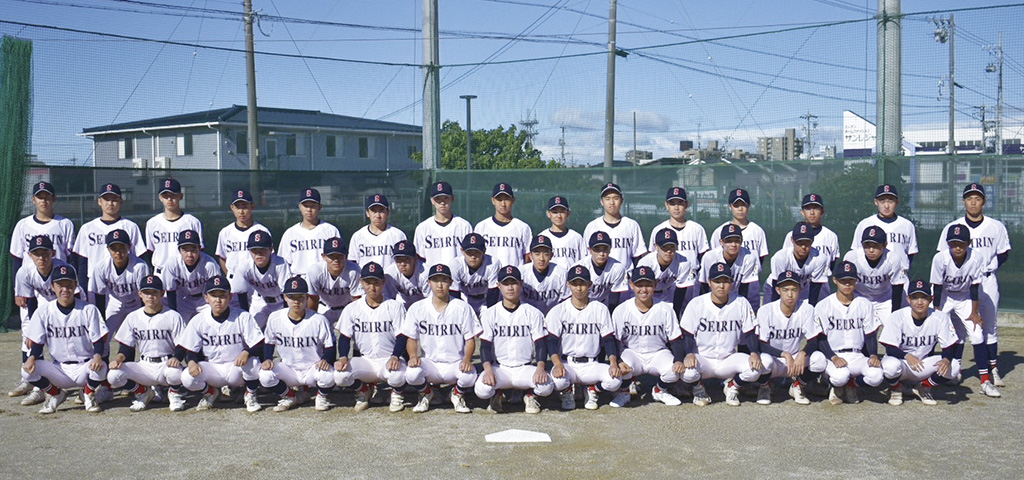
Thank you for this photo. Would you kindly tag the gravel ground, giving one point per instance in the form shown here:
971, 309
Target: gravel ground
967, 434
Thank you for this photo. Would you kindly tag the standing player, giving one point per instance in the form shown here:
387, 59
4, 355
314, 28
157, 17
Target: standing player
163, 229
373, 324
627, 240
881, 273
475, 274
674, 272
507, 237
781, 326
577, 331
376, 241
445, 329
223, 347
406, 279
302, 242
264, 274
901, 232
693, 240
826, 242
60, 230
568, 246
149, 332
305, 342
91, 243
114, 282
851, 328
753, 235
989, 241
186, 277
334, 282
543, 281
809, 264
744, 265
233, 240
437, 238
513, 336
607, 274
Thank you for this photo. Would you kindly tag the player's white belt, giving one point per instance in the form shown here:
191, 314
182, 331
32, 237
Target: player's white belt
582, 359
155, 359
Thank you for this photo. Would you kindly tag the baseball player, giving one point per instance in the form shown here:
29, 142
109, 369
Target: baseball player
627, 240
233, 239
223, 347
567, 245
956, 279
60, 230
826, 242
881, 273
437, 238
989, 241
373, 323
693, 240
809, 264
406, 279
114, 282
163, 229
265, 274
475, 274
186, 276
334, 282
850, 326
441, 333
781, 326
91, 243
714, 325
606, 273
305, 342
507, 237
901, 232
543, 282
753, 235
149, 331
302, 242
910, 337
744, 265
376, 241
74, 334
577, 331
674, 272
513, 336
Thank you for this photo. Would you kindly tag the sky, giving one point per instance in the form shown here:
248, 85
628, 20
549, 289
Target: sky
761, 66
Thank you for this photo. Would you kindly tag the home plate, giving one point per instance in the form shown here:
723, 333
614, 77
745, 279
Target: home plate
517, 436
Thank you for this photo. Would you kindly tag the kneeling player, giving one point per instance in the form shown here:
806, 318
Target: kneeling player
781, 326
149, 331
910, 337
263, 273
305, 342
577, 329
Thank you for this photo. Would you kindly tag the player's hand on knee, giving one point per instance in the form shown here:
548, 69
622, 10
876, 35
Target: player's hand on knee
755, 362
466, 365
678, 368
97, 363
943, 367
30, 365
838, 361
488, 378
914, 362
194, 369
690, 361
873, 361
173, 362
322, 365
540, 376
558, 371
242, 359
342, 364
115, 364
268, 364
799, 363
414, 362
394, 363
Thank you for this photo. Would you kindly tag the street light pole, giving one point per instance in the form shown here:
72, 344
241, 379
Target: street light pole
469, 130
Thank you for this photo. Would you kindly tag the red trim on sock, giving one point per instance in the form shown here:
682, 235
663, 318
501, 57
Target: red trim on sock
985, 377
140, 389
52, 390
928, 383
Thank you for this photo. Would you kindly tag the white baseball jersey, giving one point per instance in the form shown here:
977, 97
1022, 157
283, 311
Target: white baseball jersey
814, 269
544, 292
718, 331
407, 289
335, 291
610, 278
692, 237
826, 242
442, 335
162, 237
901, 232
151, 335
508, 242
786, 333
28, 282
440, 243
220, 341
645, 332
744, 268
753, 238
580, 331
513, 333
302, 248
474, 283
300, 344
121, 288
567, 248
680, 273
988, 239
232, 244
957, 280
846, 325
268, 283
91, 242
373, 330
901, 331
60, 230
875, 283
366, 246
178, 277
69, 337
626, 236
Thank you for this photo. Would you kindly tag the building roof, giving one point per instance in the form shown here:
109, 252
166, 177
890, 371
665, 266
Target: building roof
268, 117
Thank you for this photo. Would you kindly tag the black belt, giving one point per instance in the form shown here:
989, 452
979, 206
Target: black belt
988, 274
155, 359
582, 359
476, 297
197, 295
659, 291
74, 362
271, 299
330, 307
847, 350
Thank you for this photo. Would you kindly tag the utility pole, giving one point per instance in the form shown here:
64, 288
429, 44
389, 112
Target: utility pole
252, 128
609, 101
888, 102
997, 67
561, 143
431, 89
809, 116
469, 131
634, 138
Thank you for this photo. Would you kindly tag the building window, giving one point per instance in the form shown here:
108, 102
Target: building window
184, 142
365, 147
412, 150
334, 145
126, 148
242, 143
289, 145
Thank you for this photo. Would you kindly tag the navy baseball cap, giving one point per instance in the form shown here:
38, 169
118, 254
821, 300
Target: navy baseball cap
640, 274
241, 195
440, 270
295, 286
40, 242
441, 188
474, 241
578, 272
508, 272
63, 272
259, 239
719, 270
730, 230
974, 188
110, 189
372, 270
788, 276
675, 193
502, 188
919, 286
846, 269
43, 187
170, 185
405, 248
886, 189
666, 236
377, 199
739, 194
188, 237
610, 187
310, 194
335, 245
873, 234
958, 233
217, 282
151, 282
558, 201
118, 236
599, 238
812, 199
540, 241
803, 231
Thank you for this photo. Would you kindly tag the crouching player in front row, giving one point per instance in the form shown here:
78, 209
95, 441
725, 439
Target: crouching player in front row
305, 343
781, 326
910, 337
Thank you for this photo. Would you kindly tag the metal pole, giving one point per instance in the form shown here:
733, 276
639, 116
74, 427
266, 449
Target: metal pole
252, 128
889, 140
469, 131
951, 148
431, 89
999, 101
609, 103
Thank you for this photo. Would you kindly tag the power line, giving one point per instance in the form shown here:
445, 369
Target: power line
304, 62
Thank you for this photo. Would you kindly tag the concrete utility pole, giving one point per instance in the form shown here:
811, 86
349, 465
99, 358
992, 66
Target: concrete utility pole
431, 88
609, 103
469, 130
809, 116
997, 67
888, 108
252, 131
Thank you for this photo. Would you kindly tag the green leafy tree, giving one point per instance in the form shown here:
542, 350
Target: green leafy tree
495, 149
849, 197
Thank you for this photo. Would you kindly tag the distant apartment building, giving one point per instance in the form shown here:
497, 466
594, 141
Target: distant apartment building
779, 148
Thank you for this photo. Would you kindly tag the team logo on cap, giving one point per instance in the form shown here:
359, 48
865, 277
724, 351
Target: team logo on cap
188, 235
167, 184
440, 187
110, 187
309, 193
814, 198
919, 284
42, 185
643, 270
39, 241
240, 194
871, 232
739, 192
501, 187
803, 228
116, 235
578, 270
610, 185
376, 198
846, 267
675, 191
65, 270
334, 243
295, 284
956, 230
216, 281
600, 236
886, 189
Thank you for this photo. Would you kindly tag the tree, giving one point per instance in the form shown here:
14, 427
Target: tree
496, 149
849, 196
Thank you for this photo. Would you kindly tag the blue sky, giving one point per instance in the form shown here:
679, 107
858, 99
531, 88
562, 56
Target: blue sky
731, 90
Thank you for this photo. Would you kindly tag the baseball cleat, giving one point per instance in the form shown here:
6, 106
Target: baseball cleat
321, 404
925, 394
764, 394
835, 395
175, 400
208, 400
895, 396
732, 393
850, 395
532, 405
34, 397
225, 392
997, 380
495, 404
252, 404
592, 396
362, 398
796, 391
91, 404
567, 398
990, 390
397, 401
78, 394
424, 402
142, 400
659, 395
52, 402
285, 404
459, 402
22, 389
621, 399
700, 396
159, 395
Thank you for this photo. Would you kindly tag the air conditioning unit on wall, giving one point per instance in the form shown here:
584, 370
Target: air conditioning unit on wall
138, 167
162, 163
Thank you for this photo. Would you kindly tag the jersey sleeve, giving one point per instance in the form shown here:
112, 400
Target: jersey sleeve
35, 330
222, 238
18, 243
96, 283
947, 334
80, 240
604, 320
537, 330
912, 248
526, 235
764, 323
553, 321
486, 321
69, 233
250, 329
409, 323
762, 248
189, 338
892, 333
344, 325
857, 232
124, 332
672, 327
619, 281
1002, 239
821, 271
22, 285
324, 330
284, 249
638, 241
778, 265
169, 276
713, 240
751, 268
397, 316
749, 321
691, 316
898, 276
470, 324
938, 266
